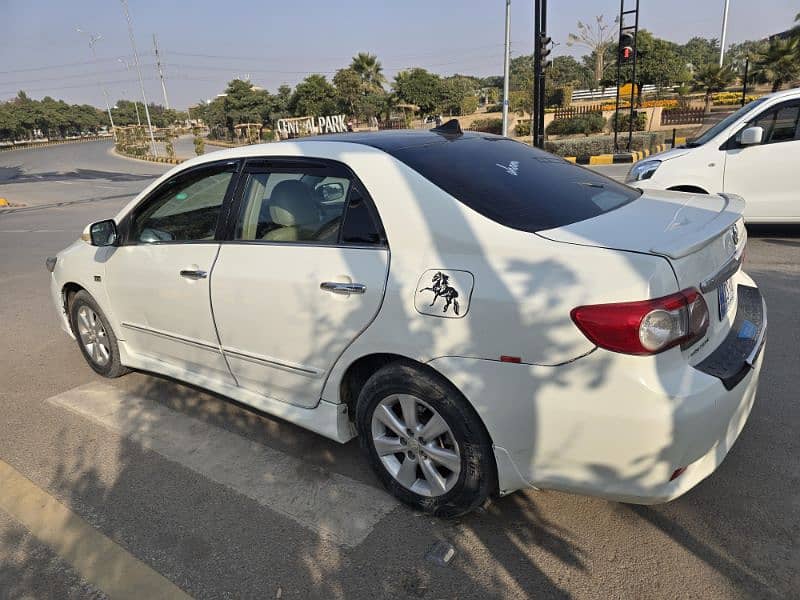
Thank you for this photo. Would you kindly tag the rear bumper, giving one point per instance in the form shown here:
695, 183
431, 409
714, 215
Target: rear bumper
607, 425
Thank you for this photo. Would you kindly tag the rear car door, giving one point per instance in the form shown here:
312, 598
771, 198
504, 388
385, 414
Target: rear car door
301, 274
765, 174
157, 279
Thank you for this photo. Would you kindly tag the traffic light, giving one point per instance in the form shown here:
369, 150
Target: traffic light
544, 49
626, 43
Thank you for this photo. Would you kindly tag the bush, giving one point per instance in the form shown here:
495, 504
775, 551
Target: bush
640, 124
602, 144
488, 125
520, 101
560, 96
469, 105
585, 124
199, 145
523, 128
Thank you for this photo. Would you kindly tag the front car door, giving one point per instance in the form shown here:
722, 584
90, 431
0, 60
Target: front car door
302, 275
765, 174
158, 279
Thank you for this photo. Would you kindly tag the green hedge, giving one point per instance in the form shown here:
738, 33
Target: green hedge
523, 127
488, 125
559, 96
625, 117
469, 105
586, 124
603, 144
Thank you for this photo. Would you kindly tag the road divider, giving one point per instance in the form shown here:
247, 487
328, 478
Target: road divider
618, 158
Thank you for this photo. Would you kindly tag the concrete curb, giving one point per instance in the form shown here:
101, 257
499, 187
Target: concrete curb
621, 157
48, 144
156, 159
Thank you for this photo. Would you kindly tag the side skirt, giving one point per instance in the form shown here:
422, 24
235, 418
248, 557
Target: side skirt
327, 419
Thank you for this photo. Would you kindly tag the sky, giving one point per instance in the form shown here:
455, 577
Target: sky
204, 44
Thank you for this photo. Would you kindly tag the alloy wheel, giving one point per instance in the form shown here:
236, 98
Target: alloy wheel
93, 336
415, 445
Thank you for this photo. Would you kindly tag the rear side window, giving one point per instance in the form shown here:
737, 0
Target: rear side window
514, 184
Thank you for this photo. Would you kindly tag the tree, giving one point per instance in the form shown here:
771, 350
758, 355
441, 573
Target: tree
659, 62
779, 63
699, 52
313, 96
369, 69
597, 37
349, 89
418, 86
713, 78
565, 70
454, 91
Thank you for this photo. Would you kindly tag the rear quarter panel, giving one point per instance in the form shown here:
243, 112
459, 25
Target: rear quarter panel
524, 286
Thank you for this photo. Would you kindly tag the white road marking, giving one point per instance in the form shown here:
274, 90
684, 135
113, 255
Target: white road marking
337, 507
35, 230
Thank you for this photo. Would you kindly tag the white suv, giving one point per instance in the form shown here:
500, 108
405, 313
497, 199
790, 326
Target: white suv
754, 152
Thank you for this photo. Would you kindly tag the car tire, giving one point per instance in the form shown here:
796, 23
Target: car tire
95, 336
433, 481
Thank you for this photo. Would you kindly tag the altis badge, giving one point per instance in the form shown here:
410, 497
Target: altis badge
444, 293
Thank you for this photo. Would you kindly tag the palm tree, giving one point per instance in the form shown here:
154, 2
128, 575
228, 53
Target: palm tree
369, 69
713, 78
780, 62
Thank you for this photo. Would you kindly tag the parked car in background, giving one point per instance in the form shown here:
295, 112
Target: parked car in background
483, 315
754, 153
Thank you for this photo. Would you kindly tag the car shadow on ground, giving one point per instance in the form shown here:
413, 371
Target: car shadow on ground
18, 174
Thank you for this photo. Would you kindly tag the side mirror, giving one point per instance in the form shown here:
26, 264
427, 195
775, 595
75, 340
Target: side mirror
751, 136
332, 191
103, 233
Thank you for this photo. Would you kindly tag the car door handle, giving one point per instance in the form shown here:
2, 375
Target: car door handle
336, 287
194, 274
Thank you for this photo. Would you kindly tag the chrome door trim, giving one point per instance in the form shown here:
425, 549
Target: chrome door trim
337, 287
172, 337
194, 273
271, 362
725, 272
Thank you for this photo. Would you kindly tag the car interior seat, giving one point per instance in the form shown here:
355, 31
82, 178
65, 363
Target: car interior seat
293, 210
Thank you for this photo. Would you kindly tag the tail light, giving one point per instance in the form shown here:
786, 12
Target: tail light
647, 326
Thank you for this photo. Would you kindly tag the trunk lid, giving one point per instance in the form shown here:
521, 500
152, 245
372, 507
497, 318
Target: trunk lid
702, 237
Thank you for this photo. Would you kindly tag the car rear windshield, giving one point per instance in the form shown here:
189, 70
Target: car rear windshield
514, 184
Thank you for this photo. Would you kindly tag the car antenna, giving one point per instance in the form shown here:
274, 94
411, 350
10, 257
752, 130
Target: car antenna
452, 127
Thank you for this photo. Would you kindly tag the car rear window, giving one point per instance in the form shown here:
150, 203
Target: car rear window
514, 184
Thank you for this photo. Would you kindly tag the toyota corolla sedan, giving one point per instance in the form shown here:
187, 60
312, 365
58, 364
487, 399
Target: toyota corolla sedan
484, 316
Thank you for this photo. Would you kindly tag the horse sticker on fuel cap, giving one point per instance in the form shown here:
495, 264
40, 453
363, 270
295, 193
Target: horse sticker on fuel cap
444, 293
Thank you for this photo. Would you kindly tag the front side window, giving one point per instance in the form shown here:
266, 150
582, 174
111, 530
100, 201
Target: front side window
780, 123
186, 208
292, 206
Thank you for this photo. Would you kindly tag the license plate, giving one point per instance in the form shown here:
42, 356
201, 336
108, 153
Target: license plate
725, 296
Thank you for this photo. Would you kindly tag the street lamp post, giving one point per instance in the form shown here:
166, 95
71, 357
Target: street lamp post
139, 72
93, 39
506, 67
724, 32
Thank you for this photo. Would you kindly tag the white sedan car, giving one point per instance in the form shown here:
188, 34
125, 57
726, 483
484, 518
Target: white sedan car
754, 153
485, 317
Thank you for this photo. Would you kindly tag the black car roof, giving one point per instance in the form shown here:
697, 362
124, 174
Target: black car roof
394, 140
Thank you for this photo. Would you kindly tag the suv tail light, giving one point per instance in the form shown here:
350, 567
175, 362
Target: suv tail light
647, 326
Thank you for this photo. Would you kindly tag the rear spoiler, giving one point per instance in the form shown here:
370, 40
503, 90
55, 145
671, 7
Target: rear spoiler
694, 239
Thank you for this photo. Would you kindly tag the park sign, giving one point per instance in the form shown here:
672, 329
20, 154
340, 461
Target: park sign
311, 125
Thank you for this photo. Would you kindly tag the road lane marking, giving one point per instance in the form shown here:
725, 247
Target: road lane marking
98, 559
334, 506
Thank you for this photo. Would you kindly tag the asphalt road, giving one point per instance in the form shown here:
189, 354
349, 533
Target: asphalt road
146, 475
